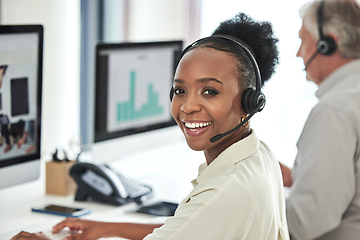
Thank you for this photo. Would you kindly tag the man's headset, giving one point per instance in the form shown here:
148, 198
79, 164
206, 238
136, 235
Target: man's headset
326, 45
253, 99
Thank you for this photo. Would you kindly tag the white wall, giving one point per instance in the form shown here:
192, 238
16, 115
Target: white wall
163, 20
61, 67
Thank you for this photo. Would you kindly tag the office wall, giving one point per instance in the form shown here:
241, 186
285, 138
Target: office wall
61, 21
163, 20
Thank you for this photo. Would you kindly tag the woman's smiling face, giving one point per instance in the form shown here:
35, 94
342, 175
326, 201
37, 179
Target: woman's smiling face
207, 99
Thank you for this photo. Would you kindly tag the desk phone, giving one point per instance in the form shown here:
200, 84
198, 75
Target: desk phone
101, 183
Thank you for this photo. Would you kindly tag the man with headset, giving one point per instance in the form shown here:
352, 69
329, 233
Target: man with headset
324, 197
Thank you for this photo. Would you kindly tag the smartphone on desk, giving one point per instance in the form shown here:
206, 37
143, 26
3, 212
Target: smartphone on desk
61, 210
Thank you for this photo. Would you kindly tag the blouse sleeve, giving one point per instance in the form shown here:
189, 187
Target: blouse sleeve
210, 213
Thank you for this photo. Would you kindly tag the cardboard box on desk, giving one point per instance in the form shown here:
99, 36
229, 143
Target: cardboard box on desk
58, 180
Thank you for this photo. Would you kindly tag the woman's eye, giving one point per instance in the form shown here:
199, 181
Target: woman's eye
179, 91
210, 92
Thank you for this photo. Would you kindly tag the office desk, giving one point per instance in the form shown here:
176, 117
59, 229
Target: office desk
169, 174
18, 214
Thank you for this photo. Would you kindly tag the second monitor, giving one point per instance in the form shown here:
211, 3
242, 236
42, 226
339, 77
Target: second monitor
133, 82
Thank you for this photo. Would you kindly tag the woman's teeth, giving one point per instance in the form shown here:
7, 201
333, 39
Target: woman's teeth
197, 125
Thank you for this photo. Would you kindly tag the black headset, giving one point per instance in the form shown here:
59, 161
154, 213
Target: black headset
326, 45
253, 99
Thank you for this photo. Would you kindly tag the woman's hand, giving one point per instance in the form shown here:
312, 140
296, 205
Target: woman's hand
82, 229
91, 230
30, 236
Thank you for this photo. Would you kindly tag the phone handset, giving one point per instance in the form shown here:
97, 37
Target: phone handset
105, 182
99, 183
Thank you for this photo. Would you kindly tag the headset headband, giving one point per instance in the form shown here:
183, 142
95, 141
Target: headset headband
246, 50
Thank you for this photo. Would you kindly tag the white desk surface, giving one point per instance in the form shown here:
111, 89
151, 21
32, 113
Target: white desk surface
169, 175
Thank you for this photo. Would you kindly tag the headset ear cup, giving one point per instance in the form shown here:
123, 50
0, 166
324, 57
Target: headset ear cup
251, 100
260, 101
171, 94
326, 45
245, 101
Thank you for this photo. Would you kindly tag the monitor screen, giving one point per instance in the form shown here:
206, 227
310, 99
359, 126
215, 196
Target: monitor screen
132, 87
21, 52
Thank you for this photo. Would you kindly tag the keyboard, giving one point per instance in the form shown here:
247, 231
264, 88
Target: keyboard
45, 227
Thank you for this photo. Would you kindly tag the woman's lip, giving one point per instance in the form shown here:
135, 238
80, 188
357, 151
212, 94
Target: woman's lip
196, 128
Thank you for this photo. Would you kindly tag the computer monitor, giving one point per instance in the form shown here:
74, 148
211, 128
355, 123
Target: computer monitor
21, 55
132, 89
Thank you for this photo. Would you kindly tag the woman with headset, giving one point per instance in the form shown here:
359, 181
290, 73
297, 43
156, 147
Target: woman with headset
238, 193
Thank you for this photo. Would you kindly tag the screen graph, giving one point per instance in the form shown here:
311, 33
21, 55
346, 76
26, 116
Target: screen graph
138, 95
126, 111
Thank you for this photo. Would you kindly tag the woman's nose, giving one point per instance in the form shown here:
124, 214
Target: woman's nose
190, 104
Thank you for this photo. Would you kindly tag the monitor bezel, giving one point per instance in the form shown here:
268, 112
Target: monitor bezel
39, 30
100, 101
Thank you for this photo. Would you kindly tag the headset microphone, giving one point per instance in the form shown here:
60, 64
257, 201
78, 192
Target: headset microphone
311, 59
220, 136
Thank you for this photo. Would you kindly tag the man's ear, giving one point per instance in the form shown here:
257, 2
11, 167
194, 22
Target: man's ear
335, 37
